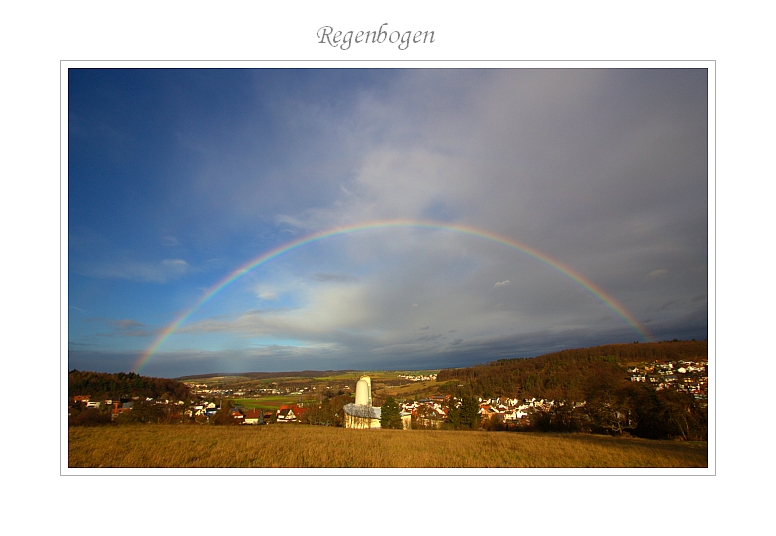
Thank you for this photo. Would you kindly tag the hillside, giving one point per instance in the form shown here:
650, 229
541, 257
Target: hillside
286, 445
119, 385
574, 374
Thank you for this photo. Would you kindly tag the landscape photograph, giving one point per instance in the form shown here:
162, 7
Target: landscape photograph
349, 269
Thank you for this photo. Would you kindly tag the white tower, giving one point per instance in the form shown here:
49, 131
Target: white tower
362, 414
364, 391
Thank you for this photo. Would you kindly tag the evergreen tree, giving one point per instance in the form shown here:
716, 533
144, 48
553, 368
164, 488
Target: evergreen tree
390, 416
454, 414
470, 412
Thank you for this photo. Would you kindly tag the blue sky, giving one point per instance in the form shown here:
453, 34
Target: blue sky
176, 177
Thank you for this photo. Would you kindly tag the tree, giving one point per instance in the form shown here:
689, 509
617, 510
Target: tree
325, 414
425, 418
143, 411
337, 405
470, 408
89, 417
224, 414
454, 414
390, 417
611, 413
669, 414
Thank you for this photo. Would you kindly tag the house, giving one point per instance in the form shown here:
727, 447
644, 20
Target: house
120, 408
487, 411
253, 416
286, 414
514, 415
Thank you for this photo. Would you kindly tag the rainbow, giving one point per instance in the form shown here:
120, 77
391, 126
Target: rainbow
387, 224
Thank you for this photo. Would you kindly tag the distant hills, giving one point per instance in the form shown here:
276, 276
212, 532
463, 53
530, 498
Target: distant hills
269, 375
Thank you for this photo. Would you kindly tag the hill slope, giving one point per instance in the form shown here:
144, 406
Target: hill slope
573, 374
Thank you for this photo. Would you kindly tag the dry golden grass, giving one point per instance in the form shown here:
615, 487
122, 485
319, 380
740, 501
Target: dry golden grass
287, 446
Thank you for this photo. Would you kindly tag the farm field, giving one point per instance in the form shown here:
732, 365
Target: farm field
299, 446
265, 402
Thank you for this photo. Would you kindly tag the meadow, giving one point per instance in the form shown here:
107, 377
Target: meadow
267, 403
300, 446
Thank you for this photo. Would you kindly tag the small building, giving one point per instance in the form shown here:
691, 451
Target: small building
253, 416
286, 414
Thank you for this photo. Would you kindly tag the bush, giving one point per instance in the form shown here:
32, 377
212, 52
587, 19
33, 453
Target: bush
89, 417
493, 424
143, 412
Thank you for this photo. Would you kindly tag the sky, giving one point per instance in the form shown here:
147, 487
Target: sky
235, 220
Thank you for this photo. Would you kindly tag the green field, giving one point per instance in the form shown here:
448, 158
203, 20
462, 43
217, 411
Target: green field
289, 446
265, 402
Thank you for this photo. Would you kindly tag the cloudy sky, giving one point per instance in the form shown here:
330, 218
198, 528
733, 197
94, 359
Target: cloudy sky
271, 219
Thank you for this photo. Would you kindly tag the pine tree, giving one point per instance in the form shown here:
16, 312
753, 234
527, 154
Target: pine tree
389, 415
469, 412
454, 414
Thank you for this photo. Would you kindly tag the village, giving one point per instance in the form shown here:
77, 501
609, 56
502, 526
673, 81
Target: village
424, 412
682, 376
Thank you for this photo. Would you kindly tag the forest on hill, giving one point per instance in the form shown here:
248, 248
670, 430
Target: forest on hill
102, 385
573, 375
592, 391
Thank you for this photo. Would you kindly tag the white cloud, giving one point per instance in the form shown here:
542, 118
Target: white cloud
176, 264
501, 284
268, 295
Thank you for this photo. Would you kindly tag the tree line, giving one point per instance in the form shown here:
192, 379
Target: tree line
103, 385
636, 409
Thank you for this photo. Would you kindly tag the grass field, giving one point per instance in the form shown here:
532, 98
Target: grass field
291, 446
265, 402
421, 389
